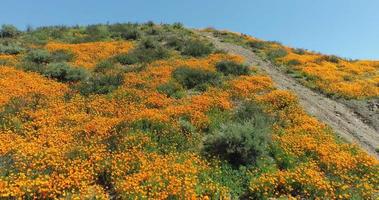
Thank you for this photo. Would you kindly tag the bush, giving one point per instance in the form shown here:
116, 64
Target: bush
238, 143
195, 78
171, 89
256, 44
332, 58
232, 68
276, 53
293, 62
299, 51
39, 56
11, 49
130, 34
147, 52
101, 84
9, 31
197, 48
126, 59
62, 56
174, 42
64, 72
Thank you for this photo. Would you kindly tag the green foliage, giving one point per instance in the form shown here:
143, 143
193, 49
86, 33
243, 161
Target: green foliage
126, 59
64, 72
100, 84
276, 53
256, 44
146, 52
171, 89
177, 25
195, 78
299, 51
293, 62
197, 48
9, 31
131, 34
238, 143
62, 56
331, 58
11, 49
239, 139
232, 68
38, 56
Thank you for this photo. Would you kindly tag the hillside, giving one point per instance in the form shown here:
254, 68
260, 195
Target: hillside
146, 111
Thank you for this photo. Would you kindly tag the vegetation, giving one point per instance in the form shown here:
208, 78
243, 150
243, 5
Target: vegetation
195, 78
128, 111
232, 68
329, 74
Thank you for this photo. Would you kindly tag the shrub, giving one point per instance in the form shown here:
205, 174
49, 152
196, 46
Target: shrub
62, 56
100, 84
332, 58
276, 53
171, 89
64, 72
293, 62
130, 34
197, 48
174, 42
9, 31
177, 25
39, 56
232, 68
256, 44
126, 59
147, 51
104, 66
299, 51
10, 49
195, 78
238, 143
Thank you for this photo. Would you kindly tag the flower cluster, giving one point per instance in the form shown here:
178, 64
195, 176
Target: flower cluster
88, 54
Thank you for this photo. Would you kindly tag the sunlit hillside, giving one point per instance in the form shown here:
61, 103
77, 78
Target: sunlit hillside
146, 111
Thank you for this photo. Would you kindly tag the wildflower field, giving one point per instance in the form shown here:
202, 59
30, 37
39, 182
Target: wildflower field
329, 74
148, 111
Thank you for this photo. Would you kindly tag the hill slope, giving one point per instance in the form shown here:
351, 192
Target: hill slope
146, 111
342, 119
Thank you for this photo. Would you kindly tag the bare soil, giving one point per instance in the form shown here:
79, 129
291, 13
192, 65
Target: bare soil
344, 117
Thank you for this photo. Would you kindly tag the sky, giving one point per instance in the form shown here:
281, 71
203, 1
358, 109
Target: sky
347, 28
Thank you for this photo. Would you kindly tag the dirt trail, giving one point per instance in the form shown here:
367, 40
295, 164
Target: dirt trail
338, 116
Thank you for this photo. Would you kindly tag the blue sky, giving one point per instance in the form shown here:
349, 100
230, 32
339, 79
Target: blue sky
348, 28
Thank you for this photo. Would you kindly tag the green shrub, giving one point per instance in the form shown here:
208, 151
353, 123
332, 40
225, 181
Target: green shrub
64, 72
177, 25
299, 51
39, 56
103, 66
174, 42
195, 78
274, 54
232, 68
131, 34
126, 59
256, 44
11, 49
62, 56
100, 84
293, 62
238, 143
197, 48
9, 31
331, 58
147, 51
171, 89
